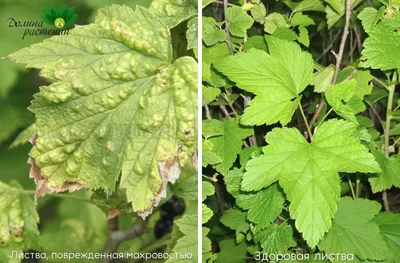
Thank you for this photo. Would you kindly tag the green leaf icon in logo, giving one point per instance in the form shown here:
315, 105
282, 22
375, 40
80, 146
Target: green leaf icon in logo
59, 18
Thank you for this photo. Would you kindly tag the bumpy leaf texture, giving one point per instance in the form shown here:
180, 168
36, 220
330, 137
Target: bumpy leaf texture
117, 105
276, 78
308, 172
18, 222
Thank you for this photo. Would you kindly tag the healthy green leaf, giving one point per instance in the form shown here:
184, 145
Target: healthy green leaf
18, 222
309, 5
212, 128
353, 231
239, 21
116, 104
333, 16
172, 12
389, 227
264, 206
258, 12
235, 220
274, 21
206, 213
308, 172
210, 93
390, 175
212, 34
229, 144
303, 37
275, 239
344, 99
208, 190
362, 77
380, 48
369, 17
276, 78
230, 252
298, 19
206, 244
322, 79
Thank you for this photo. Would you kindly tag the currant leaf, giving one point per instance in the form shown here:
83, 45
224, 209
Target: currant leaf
353, 231
276, 78
308, 172
116, 104
18, 222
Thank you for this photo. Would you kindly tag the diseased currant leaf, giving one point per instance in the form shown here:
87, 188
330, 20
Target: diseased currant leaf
276, 78
116, 104
344, 99
380, 48
18, 222
172, 12
308, 172
188, 240
353, 231
390, 174
192, 34
389, 227
275, 239
228, 146
239, 21
258, 12
235, 220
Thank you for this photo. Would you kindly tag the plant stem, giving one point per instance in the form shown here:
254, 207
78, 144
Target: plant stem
380, 82
228, 36
351, 187
226, 97
305, 121
387, 133
338, 56
358, 180
64, 196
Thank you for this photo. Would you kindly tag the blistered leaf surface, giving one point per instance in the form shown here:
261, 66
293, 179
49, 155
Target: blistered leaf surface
117, 104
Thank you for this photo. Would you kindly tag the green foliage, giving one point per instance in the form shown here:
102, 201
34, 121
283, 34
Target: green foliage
18, 222
153, 130
119, 118
324, 131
